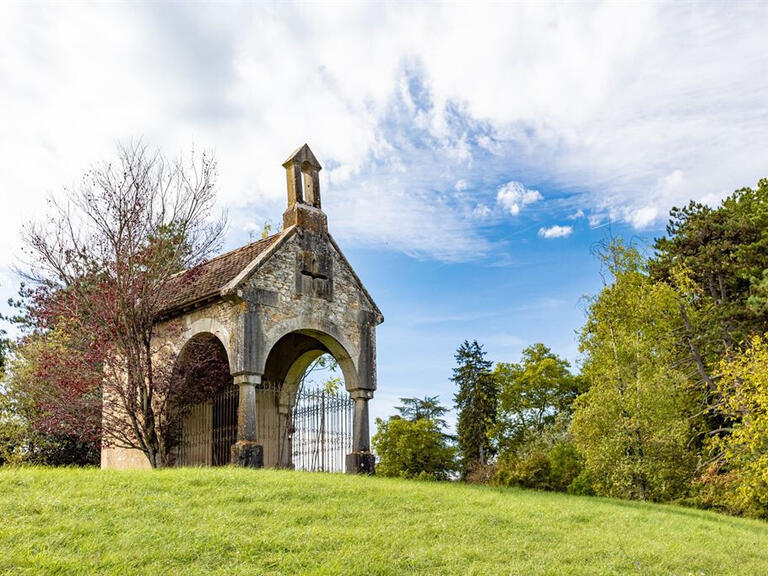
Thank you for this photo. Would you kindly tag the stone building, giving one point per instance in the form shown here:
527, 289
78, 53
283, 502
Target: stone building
273, 307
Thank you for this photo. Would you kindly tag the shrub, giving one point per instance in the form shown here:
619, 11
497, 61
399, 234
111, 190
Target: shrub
413, 449
541, 467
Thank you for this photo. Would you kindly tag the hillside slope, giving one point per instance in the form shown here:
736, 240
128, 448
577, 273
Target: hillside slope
234, 521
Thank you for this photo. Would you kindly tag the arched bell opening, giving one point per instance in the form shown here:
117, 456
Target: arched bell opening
207, 403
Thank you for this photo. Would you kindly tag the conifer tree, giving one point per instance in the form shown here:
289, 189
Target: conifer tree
476, 401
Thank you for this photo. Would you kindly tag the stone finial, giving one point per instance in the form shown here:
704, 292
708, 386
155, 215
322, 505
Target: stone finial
302, 176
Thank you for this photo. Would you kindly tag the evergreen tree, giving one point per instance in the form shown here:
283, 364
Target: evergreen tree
717, 261
427, 408
476, 402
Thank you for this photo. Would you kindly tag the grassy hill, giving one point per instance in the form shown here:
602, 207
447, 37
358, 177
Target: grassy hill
234, 521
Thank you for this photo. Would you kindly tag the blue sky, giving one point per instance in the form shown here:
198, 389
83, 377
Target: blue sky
472, 153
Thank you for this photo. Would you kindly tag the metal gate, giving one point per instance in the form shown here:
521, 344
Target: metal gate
314, 434
321, 429
224, 432
209, 429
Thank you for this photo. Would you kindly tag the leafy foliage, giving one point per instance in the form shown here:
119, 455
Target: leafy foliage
737, 481
631, 425
535, 400
533, 393
413, 449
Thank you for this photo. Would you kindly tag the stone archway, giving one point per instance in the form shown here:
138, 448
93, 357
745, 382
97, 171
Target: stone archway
208, 423
276, 394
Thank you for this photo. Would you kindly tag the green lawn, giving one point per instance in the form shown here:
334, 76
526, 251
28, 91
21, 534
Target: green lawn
235, 521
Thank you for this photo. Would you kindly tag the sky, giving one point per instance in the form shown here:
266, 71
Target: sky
473, 154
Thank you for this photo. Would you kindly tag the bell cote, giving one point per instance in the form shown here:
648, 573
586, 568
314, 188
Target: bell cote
302, 177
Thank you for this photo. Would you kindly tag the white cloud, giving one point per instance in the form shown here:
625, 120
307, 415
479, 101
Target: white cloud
642, 217
578, 215
632, 108
556, 231
513, 196
598, 220
481, 211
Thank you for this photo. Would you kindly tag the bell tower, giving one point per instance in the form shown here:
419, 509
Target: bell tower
303, 180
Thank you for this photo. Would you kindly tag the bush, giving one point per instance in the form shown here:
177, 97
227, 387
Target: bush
21, 443
481, 474
582, 485
413, 449
541, 467
565, 465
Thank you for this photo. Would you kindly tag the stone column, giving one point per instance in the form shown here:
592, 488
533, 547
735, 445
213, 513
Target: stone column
285, 458
361, 461
247, 451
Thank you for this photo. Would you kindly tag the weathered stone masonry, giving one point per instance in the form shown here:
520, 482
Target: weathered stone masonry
276, 305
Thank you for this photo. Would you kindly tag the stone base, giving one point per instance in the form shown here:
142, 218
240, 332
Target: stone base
247, 454
361, 463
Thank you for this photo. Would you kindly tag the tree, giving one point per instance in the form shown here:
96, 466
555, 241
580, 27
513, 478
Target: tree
102, 263
532, 394
50, 403
535, 402
476, 404
4, 345
412, 449
428, 408
632, 425
716, 259
736, 480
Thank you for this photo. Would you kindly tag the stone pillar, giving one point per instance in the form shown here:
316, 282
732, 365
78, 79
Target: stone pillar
361, 461
285, 458
247, 451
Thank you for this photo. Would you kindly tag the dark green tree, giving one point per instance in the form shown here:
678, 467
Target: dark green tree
476, 405
428, 408
716, 259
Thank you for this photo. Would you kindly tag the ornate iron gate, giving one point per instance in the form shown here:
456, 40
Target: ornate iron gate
321, 430
314, 434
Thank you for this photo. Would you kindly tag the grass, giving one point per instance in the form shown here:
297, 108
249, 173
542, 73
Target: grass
235, 521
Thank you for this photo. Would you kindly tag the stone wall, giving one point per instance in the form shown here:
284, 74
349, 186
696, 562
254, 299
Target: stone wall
278, 295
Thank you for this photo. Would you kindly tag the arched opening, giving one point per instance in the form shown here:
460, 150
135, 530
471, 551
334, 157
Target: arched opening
208, 403
305, 414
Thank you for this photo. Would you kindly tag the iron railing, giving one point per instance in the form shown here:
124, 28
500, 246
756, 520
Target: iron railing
314, 433
322, 430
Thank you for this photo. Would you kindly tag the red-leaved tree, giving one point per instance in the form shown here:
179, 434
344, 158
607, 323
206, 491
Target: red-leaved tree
102, 262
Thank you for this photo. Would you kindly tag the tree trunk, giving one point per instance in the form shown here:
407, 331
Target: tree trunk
695, 350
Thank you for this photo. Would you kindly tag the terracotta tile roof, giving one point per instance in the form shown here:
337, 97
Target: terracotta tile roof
207, 279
